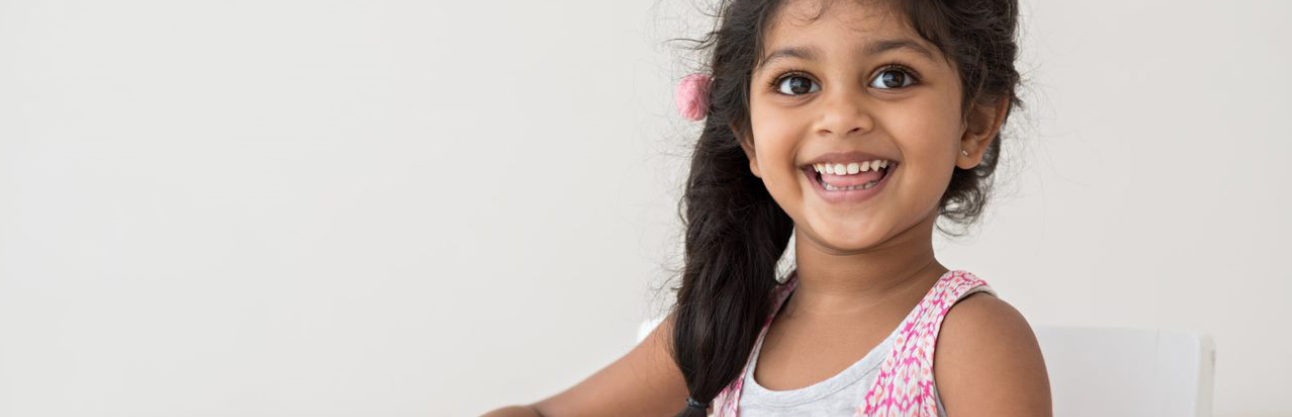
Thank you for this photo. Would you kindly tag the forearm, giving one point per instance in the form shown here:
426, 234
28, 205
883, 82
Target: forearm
514, 411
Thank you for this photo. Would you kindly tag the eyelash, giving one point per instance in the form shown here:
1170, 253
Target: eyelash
774, 85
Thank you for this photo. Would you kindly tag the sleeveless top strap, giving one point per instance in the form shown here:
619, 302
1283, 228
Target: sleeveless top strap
905, 383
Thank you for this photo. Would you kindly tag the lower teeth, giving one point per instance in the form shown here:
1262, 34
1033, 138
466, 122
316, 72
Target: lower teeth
829, 187
868, 185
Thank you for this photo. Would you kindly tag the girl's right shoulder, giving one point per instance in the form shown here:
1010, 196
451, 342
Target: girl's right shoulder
644, 382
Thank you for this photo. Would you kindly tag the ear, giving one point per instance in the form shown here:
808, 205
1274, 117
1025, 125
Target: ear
748, 145
981, 125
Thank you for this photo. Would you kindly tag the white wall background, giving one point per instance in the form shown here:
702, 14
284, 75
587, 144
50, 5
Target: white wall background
399, 208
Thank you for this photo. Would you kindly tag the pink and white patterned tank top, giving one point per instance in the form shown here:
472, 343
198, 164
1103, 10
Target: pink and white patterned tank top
905, 383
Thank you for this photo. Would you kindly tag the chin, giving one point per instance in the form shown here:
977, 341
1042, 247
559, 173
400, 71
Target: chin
851, 244
850, 236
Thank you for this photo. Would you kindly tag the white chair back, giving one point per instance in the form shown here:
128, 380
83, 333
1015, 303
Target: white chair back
1099, 371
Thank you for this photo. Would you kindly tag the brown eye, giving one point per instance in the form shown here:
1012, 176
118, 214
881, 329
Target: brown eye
892, 78
796, 85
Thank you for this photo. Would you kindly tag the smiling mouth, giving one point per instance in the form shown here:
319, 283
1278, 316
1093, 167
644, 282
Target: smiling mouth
851, 180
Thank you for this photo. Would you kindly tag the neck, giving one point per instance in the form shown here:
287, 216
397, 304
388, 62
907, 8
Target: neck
838, 283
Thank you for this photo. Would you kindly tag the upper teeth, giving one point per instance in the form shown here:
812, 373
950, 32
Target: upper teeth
851, 168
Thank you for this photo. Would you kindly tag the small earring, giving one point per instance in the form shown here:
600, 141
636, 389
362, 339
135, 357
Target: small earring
966, 153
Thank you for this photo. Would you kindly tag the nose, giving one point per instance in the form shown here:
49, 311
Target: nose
844, 114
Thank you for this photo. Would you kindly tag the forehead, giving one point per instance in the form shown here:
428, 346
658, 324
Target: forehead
859, 16
846, 26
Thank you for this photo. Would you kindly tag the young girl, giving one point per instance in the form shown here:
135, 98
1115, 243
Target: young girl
853, 125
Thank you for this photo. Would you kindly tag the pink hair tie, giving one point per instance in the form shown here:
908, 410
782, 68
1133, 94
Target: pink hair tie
693, 96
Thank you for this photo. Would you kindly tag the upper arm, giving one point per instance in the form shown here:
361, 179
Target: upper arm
987, 361
644, 382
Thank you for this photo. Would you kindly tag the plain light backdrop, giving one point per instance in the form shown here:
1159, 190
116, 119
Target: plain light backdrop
402, 208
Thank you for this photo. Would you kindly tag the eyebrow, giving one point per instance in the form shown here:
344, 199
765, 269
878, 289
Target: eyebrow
873, 48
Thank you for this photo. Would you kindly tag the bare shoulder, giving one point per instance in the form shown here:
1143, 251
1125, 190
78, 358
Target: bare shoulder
644, 382
987, 361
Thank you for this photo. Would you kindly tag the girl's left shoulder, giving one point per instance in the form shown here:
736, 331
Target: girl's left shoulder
987, 361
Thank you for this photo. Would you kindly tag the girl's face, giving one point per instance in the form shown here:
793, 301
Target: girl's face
854, 86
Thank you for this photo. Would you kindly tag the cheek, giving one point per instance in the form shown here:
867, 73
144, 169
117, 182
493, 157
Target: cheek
775, 141
928, 134
775, 153
924, 126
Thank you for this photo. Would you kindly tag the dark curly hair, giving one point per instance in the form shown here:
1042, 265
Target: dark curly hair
736, 233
